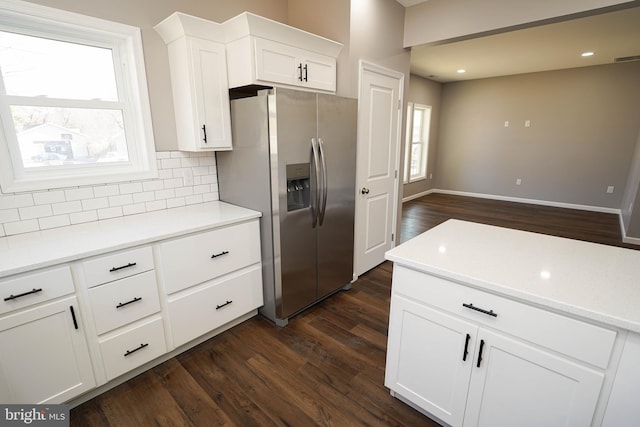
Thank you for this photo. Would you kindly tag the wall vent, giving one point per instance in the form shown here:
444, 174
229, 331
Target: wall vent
627, 58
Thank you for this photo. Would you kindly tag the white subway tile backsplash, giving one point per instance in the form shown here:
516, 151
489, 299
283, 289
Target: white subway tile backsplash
106, 190
110, 212
147, 196
67, 207
124, 199
131, 187
84, 216
54, 221
15, 201
156, 206
176, 202
32, 212
9, 215
183, 179
136, 208
165, 194
19, 227
49, 197
78, 193
97, 203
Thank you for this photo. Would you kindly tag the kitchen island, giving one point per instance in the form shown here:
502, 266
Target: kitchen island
500, 327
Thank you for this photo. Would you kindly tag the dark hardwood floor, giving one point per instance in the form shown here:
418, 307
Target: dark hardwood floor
327, 366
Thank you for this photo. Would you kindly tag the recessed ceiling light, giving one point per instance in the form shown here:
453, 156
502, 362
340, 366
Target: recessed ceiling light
462, 70
587, 54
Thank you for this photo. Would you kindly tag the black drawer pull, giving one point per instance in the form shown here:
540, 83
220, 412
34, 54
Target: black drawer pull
480, 353
12, 297
131, 264
220, 254
481, 310
466, 348
218, 307
122, 304
135, 349
73, 317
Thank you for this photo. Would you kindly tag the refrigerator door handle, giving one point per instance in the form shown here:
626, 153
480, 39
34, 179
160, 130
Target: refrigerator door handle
315, 207
323, 162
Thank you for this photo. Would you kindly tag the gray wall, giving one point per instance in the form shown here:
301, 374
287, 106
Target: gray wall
426, 92
584, 128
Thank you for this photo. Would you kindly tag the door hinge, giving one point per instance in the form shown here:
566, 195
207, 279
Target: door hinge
399, 104
392, 237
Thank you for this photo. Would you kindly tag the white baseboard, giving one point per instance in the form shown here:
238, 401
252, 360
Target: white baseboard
532, 201
417, 195
601, 209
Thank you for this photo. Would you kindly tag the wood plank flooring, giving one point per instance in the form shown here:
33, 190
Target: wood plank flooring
326, 367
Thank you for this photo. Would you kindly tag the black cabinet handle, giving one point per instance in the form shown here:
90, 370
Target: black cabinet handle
122, 304
481, 310
466, 348
220, 254
300, 71
218, 307
73, 316
480, 353
204, 131
12, 297
305, 73
135, 349
131, 264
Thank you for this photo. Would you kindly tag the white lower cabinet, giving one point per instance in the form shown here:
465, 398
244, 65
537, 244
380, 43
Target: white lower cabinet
459, 367
43, 354
202, 309
131, 347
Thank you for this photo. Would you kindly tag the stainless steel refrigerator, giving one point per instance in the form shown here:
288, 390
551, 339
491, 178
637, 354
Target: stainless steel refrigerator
293, 159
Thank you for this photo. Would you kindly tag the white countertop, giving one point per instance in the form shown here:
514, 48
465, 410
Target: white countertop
594, 281
29, 251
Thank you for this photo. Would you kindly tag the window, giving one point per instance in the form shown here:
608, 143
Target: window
73, 100
417, 146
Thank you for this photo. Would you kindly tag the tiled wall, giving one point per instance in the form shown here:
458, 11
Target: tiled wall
183, 179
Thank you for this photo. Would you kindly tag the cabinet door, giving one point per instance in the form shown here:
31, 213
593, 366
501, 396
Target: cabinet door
320, 72
280, 63
43, 355
429, 358
211, 93
519, 385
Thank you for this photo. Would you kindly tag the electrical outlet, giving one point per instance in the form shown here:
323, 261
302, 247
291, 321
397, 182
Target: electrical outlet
506, 123
610, 189
527, 123
518, 181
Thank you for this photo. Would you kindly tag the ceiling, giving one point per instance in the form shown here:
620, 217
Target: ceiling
547, 47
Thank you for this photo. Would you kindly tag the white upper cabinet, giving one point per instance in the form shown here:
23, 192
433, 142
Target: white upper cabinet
198, 65
265, 52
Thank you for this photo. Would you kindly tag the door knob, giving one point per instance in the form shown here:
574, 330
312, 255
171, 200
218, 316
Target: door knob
364, 190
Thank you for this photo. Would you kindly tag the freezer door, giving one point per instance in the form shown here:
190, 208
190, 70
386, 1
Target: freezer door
337, 119
292, 125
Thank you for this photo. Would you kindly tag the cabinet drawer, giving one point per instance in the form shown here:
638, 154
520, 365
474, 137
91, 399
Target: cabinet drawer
201, 257
584, 341
133, 347
206, 308
33, 288
116, 266
117, 303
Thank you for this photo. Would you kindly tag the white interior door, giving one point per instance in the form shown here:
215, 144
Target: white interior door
379, 113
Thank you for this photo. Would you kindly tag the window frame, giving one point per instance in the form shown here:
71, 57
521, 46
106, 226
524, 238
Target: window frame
125, 41
424, 142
